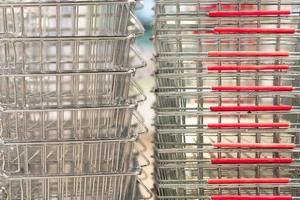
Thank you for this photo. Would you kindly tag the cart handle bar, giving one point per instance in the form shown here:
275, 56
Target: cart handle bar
249, 13
249, 181
246, 125
248, 68
251, 108
254, 146
217, 161
253, 88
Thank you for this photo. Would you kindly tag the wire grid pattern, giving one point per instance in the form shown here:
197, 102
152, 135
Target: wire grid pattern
185, 36
68, 119
71, 54
68, 18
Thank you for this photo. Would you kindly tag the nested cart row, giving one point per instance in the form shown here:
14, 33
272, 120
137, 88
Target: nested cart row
227, 109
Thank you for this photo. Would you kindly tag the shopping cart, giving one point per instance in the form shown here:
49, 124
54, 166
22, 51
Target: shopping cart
192, 164
35, 18
227, 115
191, 178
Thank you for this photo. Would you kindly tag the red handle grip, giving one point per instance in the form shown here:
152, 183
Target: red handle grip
252, 88
248, 125
217, 161
248, 13
253, 146
247, 197
225, 30
251, 108
248, 181
248, 68
247, 54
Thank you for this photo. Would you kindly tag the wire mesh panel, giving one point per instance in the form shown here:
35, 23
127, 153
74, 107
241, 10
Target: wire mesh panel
67, 123
227, 114
38, 90
66, 157
68, 119
35, 55
207, 17
93, 186
68, 18
199, 45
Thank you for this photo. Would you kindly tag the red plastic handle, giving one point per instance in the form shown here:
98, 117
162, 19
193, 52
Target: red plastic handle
217, 161
248, 181
247, 197
225, 30
252, 88
253, 146
248, 68
251, 108
247, 54
247, 125
249, 13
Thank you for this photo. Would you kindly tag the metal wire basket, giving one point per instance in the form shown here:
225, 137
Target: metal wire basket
67, 89
66, 157
68, 18
90, 186
68, 124
59, 124
68, 54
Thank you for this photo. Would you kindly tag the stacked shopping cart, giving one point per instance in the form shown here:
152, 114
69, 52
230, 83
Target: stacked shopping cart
68, 101
227, 111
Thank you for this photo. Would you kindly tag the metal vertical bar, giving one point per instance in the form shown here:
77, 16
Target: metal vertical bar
277, 101
257, 102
